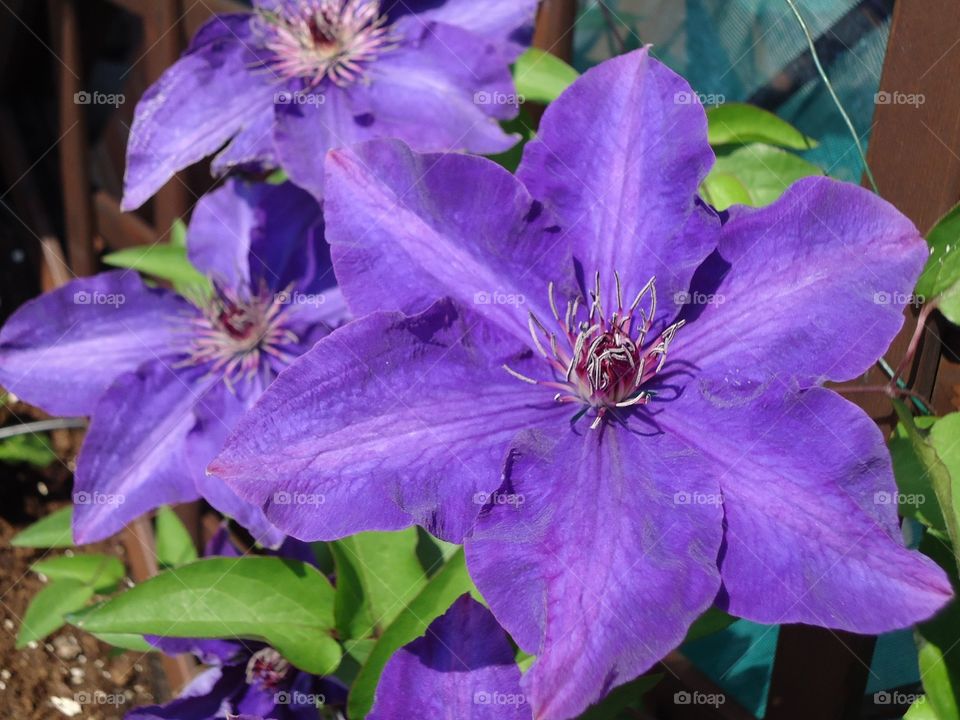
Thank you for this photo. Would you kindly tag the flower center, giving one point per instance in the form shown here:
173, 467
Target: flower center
267, 668
239, 332
325, 39
602, 361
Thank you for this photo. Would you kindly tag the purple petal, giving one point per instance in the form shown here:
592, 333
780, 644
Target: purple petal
251, 149
506, 23
590, 557
209, 652
204, 99
620, 157
133, 458
203, 700
243, 233
462, 668
217, 414
62, 350
491, 248
441, 89
810, 288
221, 544
811, 531
389, 421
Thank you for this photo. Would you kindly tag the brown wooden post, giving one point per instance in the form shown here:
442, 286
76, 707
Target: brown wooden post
74, 159
915, 156
554, 31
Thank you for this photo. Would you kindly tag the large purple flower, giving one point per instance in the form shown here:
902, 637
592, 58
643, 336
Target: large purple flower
165, 379
610, 393
295, 78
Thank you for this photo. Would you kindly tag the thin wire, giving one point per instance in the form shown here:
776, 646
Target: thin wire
42, 426
833, 94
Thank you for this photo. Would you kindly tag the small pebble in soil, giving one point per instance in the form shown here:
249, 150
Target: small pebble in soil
67, 706
8, 624
66, 646
42, 488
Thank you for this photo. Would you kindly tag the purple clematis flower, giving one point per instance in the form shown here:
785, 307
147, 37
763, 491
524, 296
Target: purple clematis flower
463, 668
610, 393
164, 379
295, 78
248, 678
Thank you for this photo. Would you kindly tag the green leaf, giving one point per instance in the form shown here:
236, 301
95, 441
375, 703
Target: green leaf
712, 621
285, 603
53, 531
165, 262
123, 641
378, 574
178, 233
943, 268
49, 607
174, 545
921, 710
740, 124
541, 77
101, 572
277, 177
765, 171
723, 190
522, 125
450, 582
917, 499
27, 448
938, 638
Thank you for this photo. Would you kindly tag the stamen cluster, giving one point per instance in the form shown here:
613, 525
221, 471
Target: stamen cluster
321, 40
600, 361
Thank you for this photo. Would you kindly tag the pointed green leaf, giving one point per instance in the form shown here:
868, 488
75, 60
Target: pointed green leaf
178, 233
174, 545
740, 124
165, 262
136, 643
285, 603
378, 574
921, 710
765, 171
450, 582
27, 448
712, 621
101, 572
723, 190
917, 499
541, 77
49, 607
938, 640
53, 531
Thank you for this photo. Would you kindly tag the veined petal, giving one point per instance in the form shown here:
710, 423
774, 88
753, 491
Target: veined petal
506, 23
404, 233
209, 95
133, 457
462, 668
242, 233
597, 554
811, 288
389, 421
203, 699
619, 157
811, 532
217, 413
62, 350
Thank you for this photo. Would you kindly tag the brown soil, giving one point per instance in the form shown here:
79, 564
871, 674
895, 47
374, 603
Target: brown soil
70, 667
